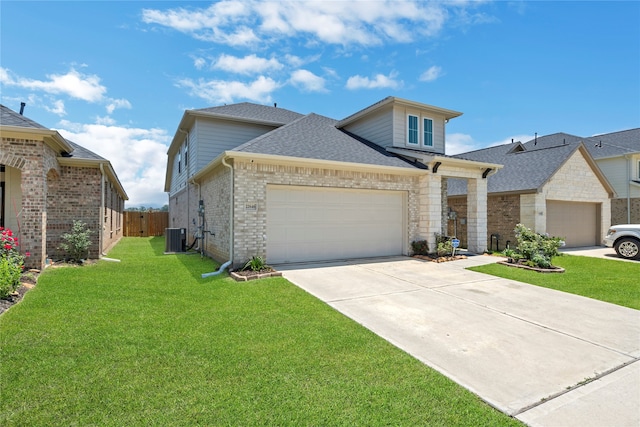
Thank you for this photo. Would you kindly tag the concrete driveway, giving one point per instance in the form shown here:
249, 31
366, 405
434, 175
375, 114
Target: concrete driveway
546, 357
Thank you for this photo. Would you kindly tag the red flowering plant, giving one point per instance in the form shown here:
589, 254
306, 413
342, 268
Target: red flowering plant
11, 262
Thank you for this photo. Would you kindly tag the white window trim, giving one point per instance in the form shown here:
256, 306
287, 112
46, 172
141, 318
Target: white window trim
417, 144
421, 139
424, 144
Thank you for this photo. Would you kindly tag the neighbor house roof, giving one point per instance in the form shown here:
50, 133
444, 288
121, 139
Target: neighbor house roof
316, 137
69, 152
599, 146
526, 167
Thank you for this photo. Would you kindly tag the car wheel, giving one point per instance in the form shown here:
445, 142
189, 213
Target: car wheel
628, 248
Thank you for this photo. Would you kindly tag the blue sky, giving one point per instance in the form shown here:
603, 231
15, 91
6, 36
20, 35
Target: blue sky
116, 76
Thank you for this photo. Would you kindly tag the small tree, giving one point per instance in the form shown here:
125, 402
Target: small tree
76, 244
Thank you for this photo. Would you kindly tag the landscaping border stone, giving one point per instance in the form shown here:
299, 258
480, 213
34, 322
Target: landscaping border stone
538, 269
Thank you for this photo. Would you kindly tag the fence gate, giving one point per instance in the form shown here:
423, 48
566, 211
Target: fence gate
145, 224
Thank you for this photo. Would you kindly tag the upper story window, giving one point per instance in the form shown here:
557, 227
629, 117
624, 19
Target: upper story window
186, 154
427, 127
419, 133
180, 161
412, 130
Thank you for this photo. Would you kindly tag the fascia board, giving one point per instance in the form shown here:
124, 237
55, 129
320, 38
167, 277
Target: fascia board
51, 137
287, 160
393, 101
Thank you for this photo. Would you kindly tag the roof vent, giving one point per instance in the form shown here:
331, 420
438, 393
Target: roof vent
22, 105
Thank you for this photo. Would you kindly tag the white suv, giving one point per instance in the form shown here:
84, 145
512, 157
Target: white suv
625, 239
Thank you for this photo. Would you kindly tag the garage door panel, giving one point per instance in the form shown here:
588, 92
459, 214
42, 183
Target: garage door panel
306, 224
576, 222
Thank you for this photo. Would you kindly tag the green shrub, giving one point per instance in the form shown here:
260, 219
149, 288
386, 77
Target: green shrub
420, 247
76, 244
256, 263
537, 249
11, 262
444, 246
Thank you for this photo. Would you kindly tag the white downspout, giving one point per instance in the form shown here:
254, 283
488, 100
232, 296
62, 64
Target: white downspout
228, 263
102, 212
628, 157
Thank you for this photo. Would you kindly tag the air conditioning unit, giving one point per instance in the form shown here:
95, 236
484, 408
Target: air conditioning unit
175, 239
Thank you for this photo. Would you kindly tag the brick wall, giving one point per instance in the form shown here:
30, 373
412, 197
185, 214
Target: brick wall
52, 196
251, 181
619, 211
74, 195
502, 216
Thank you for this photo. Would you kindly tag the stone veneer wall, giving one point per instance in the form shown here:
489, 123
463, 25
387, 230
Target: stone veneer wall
251, 180
619, 211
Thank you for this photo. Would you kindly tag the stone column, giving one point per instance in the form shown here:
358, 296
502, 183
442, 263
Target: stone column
477, 215
430, 208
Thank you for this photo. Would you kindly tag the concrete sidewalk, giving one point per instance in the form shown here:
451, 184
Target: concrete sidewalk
540, 355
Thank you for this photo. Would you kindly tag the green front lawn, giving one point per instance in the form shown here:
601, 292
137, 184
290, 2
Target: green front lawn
612, 281
148, 342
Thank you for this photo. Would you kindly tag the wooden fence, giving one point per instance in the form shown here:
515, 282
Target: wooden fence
145, 224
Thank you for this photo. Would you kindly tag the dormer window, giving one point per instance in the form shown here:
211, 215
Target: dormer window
412, 130
427, 126
418, 136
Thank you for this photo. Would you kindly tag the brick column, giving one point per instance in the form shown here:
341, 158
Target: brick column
477, 215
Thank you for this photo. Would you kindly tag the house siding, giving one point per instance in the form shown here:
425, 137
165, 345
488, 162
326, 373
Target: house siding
251, 180
215, 137
377, 128
400, 114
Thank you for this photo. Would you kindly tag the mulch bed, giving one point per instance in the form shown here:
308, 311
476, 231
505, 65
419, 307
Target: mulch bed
26, 284
246, 275
435, 258
551, 269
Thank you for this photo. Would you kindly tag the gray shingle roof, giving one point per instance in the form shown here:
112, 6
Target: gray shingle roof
249, 111
523, 171
316, 137
599, 146
8, 117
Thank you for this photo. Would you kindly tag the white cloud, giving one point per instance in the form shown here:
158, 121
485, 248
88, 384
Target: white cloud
431, 74
138, 156
220, 91
199, 63
458, 143
117, 103
57, 108
73, 84
307, 81
378, 82
250, 64
364, 23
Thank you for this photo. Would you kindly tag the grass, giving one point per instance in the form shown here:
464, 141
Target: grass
148, 342
612, 281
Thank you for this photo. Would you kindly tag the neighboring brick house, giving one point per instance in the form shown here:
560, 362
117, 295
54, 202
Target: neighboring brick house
255, 180
47, 182
551, 184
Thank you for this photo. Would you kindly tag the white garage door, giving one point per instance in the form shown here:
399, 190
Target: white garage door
316, 224
577, 222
